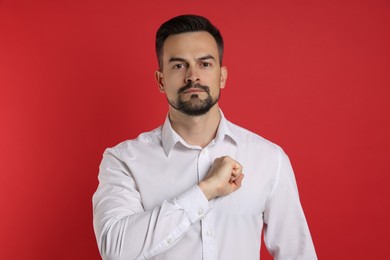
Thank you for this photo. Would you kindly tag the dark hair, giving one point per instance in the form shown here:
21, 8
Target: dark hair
186, 23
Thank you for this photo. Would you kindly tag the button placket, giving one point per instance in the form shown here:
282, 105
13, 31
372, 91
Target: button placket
208, 240
203, 163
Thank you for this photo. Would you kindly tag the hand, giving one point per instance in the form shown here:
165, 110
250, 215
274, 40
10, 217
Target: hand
224, 177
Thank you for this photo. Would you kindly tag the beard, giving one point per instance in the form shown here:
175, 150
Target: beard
194, 106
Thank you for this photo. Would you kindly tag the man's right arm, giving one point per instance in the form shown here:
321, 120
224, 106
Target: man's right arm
124, 230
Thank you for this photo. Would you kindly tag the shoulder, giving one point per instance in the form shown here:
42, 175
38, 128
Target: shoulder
150, 139
253, 141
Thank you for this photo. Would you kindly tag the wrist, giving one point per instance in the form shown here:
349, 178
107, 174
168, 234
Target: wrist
205, 188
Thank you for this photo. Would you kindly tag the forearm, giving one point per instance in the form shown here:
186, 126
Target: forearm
123, 233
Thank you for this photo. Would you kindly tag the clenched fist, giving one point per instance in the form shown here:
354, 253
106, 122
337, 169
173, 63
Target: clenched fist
224, 177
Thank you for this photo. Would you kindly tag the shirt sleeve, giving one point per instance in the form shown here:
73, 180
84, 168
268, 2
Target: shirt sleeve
123, 229
286, 233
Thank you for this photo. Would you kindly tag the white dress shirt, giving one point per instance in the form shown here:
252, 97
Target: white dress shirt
148, 204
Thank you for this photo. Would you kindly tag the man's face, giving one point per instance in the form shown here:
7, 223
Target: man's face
191, 75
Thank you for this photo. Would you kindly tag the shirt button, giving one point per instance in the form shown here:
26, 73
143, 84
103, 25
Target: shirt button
169, 241
200, 212
209, 233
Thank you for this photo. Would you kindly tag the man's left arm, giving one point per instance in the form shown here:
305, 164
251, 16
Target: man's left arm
286, 233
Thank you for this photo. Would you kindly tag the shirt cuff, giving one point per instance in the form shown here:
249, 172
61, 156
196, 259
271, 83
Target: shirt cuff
194, 203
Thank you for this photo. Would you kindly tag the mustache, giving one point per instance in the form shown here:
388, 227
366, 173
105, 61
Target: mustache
193, 85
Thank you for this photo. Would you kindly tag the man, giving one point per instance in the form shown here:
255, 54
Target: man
179, 192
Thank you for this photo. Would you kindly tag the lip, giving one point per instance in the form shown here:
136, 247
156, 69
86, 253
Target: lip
194, 90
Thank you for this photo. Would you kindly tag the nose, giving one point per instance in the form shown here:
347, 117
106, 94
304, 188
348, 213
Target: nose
191, 76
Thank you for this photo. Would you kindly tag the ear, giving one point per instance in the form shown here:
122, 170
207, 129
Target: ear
159, 79
224, 74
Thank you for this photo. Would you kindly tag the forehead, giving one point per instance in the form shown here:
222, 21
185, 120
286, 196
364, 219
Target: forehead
190, 43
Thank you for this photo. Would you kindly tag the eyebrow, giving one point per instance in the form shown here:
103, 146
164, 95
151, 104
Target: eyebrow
173, 59
207, 57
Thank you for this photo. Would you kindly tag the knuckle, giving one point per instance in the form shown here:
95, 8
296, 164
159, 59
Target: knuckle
218, 159
226, 158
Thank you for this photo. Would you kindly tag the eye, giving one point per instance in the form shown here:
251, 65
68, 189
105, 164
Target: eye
178, 66
206, 64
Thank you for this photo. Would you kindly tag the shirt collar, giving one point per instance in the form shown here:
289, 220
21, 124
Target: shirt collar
170, 137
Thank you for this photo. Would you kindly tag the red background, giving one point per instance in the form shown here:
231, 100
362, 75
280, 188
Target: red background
75, 78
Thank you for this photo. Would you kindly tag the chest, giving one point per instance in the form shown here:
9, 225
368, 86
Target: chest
165, 179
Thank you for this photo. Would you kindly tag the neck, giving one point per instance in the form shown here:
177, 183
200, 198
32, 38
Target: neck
196, 130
